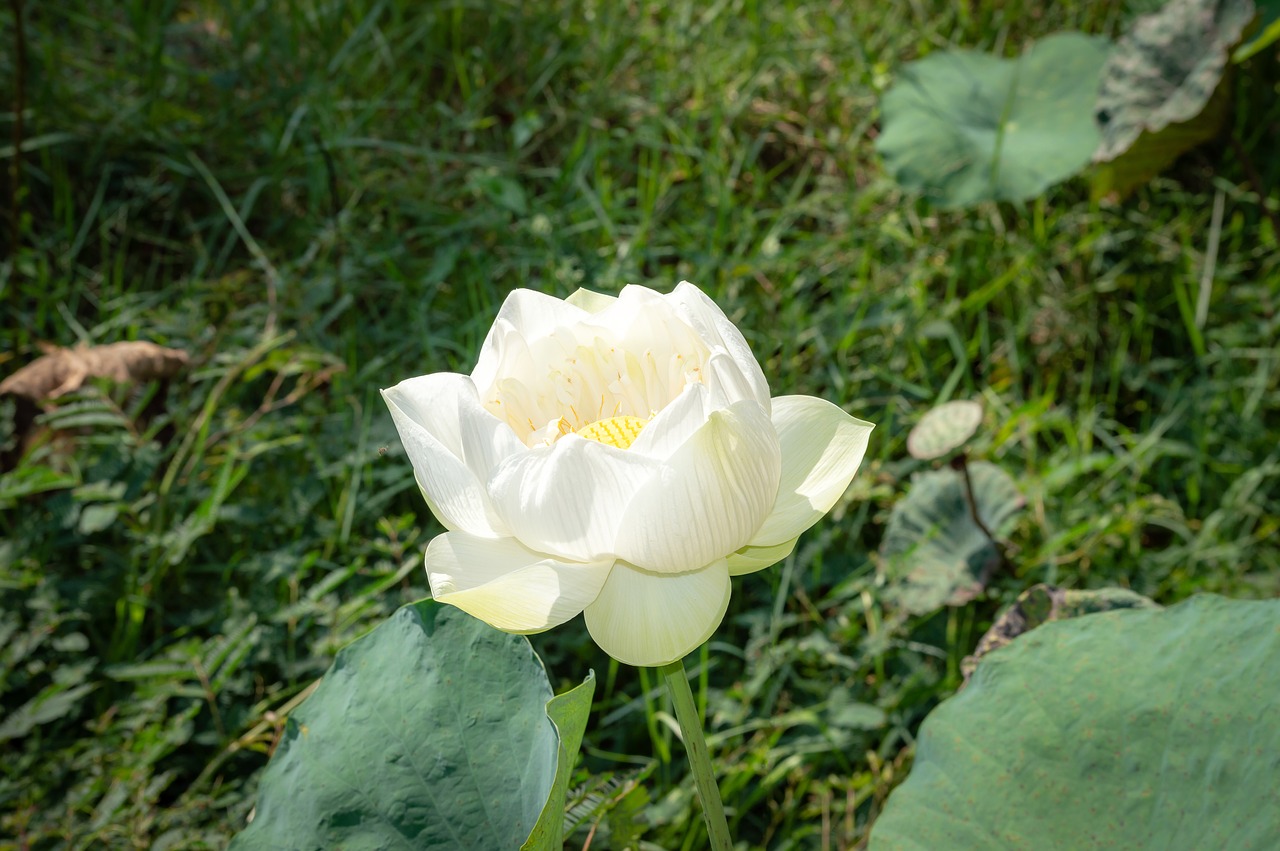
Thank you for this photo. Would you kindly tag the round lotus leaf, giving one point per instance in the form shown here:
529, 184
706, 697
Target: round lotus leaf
430, 732
935, 554
1142, 730
944, 428
964, 127
1164, 71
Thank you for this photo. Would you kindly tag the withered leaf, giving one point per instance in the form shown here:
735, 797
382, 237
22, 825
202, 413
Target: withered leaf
65, 370
1042, 603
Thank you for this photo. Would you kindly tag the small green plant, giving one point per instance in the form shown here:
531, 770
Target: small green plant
942, 541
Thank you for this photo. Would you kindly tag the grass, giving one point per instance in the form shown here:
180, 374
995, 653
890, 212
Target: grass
318, 199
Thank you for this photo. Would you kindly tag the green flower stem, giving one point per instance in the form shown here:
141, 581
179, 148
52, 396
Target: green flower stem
695, 745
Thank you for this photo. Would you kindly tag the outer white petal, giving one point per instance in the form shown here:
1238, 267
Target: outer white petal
651, 619
508, 586
706, 317
822, 447
710, 497
569, 499
530, 315
749, 559
590, 300
453, 444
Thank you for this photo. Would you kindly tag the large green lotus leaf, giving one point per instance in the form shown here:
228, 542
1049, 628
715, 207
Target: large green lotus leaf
1141, 730
430, 732
1042, 603
964, 127
1162, 74
935, 554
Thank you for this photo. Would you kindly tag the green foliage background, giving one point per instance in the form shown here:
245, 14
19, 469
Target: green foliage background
319, 199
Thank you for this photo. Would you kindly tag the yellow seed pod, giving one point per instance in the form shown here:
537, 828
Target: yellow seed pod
615, 431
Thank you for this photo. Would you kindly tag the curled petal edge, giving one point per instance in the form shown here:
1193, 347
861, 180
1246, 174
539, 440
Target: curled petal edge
822, 448
749, 559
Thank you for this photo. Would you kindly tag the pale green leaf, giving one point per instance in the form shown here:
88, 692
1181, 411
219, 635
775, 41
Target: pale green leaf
944, 428
964, 127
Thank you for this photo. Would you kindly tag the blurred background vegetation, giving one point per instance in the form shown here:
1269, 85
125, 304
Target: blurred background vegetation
315, 199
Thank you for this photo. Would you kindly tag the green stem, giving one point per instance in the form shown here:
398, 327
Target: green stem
695, 744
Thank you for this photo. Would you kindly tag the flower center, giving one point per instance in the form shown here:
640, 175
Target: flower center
615, 431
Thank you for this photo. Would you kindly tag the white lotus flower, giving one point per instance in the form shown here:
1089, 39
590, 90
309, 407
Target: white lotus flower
618, 456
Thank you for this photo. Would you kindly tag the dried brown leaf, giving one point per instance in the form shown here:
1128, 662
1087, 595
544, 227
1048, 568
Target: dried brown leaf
65, 370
